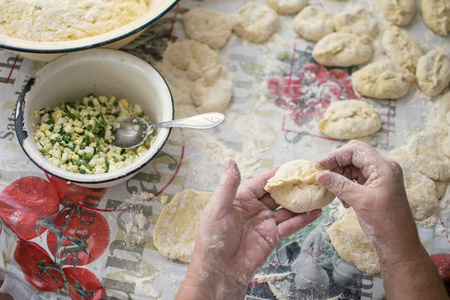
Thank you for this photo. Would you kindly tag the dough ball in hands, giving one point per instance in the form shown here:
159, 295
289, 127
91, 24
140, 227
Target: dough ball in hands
343, 49
213, 91
177, 226
313, 23
286, 7
191, 56
208, 27
401, 47
398, 12
383, 79
436, 15
294, 186
356, 20
350, 119
255, 22
433, 72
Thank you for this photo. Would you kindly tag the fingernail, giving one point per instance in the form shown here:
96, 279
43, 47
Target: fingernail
228, 164
324, 179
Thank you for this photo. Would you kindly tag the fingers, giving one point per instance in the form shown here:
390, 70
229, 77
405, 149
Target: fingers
225, 192
268, 201
294, 224
346, 190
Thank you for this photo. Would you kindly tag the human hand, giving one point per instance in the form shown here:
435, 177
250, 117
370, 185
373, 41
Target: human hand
238, 230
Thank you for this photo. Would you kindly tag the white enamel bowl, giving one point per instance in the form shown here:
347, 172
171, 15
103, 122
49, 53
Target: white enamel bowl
100, 72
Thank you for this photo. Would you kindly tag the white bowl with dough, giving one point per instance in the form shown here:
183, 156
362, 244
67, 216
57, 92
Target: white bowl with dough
104, 72
115, 39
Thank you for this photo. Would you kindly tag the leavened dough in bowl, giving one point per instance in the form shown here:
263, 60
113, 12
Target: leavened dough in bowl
177, 226
294, 186
313, 23
350, 119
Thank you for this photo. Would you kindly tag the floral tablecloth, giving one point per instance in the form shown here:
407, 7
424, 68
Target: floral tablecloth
279, 94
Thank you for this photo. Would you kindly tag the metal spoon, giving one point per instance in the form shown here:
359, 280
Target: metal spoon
133, 132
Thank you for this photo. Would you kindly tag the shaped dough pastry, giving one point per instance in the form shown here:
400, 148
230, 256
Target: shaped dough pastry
401, 47
286, 7
193, 57
433, 72
350, 119
208, 27
343, 49
177, 226
383, 79
313, 23
436, 14
255, 22
294, 187
356, 20
213, 91
398, 12
352, 245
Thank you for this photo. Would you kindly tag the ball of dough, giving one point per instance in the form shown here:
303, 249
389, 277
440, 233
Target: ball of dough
356, 20
383, 79
343, 49
177, 226
398, 12
294, 186
193, 57
433, 72
401, 47
352, 245
208, 27
436, 14
213, 91
350, 119
286, 7
313, 23
255, 22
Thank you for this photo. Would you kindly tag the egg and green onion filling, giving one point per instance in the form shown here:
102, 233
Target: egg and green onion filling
77, 136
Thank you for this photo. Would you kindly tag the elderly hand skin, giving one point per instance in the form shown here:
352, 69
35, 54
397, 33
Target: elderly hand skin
372, 185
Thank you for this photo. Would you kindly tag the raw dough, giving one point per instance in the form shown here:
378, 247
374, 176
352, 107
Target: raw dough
352, 245
286, 7
255, 22
343, 49
401, 47
433, 72
398, 12
213, 91
193, 57
350, 119
426, 151
383, 79
436, 14
208, 27
421, 190
313, 23
294, 187
177, 225
356, 20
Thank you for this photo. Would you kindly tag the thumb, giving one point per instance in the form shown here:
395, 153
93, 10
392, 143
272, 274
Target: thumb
346, 190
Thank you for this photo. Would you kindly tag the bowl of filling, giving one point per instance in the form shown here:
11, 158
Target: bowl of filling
68, 111
44, 30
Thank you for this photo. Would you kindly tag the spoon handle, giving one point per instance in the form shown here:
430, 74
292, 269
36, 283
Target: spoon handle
202, 121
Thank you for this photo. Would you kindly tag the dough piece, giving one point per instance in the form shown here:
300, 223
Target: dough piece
255, 22
436, 14
433, 72
383, 79
313, 23
193, 57
398, 12
208, 27
177, 225
352, 245
356, 20
343, 49
426, 151
213, 91
350, 119
294, 187
421, 190
286, 7
401, 47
